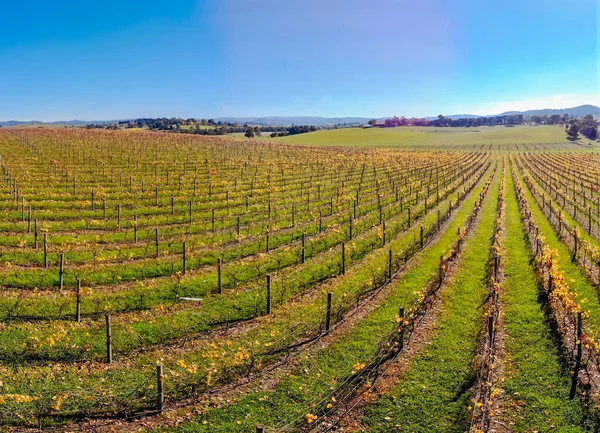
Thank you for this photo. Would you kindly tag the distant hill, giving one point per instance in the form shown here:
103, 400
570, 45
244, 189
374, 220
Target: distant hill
58, 122
579, 111
296, 120
457, 116
463, 116
271, 121
19, 122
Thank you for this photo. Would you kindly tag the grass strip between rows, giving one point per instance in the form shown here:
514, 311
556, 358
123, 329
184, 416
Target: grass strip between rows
535, 383
435, 391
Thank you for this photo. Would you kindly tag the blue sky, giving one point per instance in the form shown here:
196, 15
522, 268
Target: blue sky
100, 60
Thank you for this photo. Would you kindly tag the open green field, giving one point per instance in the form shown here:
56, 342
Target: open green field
429, 137
202, 127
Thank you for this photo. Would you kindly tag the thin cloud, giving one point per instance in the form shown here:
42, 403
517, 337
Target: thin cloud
540, 102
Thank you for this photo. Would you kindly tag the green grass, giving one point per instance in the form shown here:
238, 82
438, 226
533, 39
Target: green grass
201, 127
429, 136
434, 392
314, 375
534, 376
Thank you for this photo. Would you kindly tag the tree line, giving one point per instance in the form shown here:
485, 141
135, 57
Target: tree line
204, 127
587, 126
443, 121
278, 131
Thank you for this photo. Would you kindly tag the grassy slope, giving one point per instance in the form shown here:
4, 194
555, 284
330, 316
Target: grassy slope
586, 294
434, 393
314, 375
534, 376
415, 136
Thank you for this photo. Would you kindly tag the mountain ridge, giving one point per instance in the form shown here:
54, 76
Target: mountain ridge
578, 111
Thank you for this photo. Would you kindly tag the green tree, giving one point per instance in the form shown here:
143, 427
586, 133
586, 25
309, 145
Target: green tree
588, 119
590, 132
555, 119
573, 131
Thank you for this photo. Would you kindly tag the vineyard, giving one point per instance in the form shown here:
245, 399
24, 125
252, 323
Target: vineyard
178, 283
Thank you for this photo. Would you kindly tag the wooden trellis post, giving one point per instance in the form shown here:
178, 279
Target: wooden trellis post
343, 258
184, 258
220, 275
109, 355
45, 250
160, 390
303, 255
320, 221
61, 271
328, 316
35, 234
78, 301
268, 294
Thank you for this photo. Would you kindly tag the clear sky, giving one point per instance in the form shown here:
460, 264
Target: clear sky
113, 59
